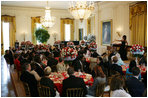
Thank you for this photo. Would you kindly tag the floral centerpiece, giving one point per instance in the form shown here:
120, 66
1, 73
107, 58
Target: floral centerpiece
82, 43
93, 46
57, 42
68, 53
26, 45
70, 44
137, 50
41, 48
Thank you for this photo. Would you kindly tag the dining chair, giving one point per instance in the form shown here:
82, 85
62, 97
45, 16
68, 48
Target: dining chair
27, 90
44, 91
100, 89
74, 92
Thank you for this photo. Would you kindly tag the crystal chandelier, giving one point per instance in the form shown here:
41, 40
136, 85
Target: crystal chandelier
81, 9
47, 20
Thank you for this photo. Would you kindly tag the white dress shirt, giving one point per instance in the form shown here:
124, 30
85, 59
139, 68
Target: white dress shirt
120, 93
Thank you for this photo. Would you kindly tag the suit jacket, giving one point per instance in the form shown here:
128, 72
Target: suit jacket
135, 87
117, 68
73, 82
32, 83
51, 62
77, 65
39, 70
95, 54
48, 82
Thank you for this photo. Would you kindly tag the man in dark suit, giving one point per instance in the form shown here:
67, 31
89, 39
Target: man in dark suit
11, 58
46, 81
135, 87
78, 64
115, 66
52, 62
27, 77
73, 82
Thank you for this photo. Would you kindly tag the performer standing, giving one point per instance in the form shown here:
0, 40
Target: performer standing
123, 50
16, 44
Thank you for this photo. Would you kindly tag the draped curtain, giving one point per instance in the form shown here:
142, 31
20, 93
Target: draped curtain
88, 27
67, 21
12, 29
138, 23
34, 20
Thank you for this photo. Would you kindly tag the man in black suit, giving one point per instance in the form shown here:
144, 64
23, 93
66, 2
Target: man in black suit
11, 58
135, 87
52, 62
46, 81
27, 77
115, 66
78, 64
73, 82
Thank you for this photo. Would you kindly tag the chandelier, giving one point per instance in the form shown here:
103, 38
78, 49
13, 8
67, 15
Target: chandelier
47, 20
81, 9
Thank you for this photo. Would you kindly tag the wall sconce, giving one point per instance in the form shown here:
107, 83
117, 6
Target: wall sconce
118, 33
54, 35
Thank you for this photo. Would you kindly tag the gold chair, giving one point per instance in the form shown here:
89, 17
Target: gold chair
100, 90
74, 92
27, 90
44, 91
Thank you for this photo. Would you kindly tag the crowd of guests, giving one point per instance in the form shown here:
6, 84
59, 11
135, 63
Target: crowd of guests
33, 71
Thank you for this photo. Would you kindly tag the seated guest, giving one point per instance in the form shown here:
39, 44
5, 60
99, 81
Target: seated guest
77, 63
17, 62
6, 56
113, 52
120, 62
73, 82
56, 51
46, 81
100, 78
38, 66
85, 66
61, 66
135, 87
143, 60
115, 66
145, 79
33, 72
27, 77
11, 56
94, 54
129, 70
52, 62
116, 87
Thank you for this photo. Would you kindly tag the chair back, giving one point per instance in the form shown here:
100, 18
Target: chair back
74, 92
27, 89
100, 89
44, 91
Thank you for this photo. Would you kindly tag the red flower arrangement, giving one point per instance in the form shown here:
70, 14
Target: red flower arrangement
93, 45
70, 44
137, 49
82, 42
57, 42
68, 52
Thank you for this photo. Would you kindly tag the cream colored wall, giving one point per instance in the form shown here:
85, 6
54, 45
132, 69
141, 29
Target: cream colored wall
23, 20
119, 13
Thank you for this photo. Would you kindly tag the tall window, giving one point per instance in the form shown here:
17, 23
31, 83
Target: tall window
6, 42
38, 25
67, 32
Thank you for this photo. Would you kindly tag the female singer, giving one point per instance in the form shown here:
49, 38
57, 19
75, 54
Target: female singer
123, 50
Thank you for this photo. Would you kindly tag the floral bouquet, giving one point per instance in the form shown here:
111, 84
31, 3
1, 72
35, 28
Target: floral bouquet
57, 42
82, 43
23, 43
70, 44
68, 52
137, 50
93, 46
41, 48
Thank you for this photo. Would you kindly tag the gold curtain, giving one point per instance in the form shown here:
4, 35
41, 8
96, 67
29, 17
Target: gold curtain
88, 26
12, 28
138, 23
67, 21
2, 45
34, 20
